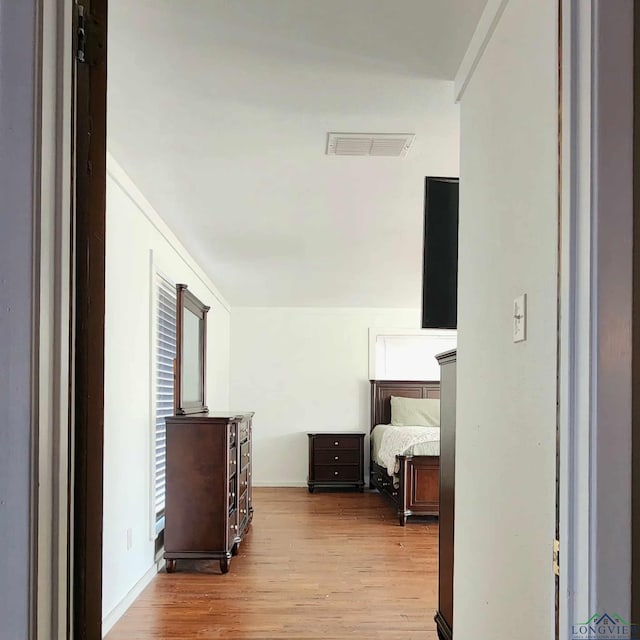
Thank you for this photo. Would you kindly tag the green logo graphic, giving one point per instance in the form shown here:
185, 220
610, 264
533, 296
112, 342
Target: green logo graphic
613, 619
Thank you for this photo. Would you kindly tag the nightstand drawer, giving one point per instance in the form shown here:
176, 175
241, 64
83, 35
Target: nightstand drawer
339, 456
329, 441
347, 473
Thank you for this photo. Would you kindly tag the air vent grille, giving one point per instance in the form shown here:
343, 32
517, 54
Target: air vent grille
369, 144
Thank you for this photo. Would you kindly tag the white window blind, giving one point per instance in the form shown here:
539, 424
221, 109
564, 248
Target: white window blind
165, 354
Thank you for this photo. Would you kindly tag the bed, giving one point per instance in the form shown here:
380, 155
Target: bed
413, 487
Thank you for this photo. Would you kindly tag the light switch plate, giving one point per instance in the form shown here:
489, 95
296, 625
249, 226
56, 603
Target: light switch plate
520, 318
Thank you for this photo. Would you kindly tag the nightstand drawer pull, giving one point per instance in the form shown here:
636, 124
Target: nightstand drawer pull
336, 457
337, 441
335, 473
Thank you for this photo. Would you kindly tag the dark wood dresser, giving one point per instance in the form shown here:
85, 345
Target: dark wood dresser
336, 460
208, 496
444, 615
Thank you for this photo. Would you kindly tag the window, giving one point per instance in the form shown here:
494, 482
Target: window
407, 354
165, 355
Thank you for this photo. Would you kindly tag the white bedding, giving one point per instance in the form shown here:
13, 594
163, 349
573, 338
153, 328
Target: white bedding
389, 441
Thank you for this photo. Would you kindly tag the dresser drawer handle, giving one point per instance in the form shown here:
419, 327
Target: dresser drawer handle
336, 457
336, 443
335, 473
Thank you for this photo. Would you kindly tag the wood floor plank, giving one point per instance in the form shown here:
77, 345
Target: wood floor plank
327, 565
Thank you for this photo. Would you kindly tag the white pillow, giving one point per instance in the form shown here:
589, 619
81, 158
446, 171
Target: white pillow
415, 412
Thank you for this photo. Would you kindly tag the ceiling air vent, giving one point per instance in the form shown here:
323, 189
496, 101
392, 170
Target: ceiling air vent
369, 144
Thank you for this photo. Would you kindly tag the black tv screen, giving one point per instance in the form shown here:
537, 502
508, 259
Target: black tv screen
440, 265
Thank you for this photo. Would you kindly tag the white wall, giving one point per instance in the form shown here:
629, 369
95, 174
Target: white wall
303, 369
18, 176
136, 237
506, 421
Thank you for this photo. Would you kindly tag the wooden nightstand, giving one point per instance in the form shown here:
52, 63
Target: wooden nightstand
336, 460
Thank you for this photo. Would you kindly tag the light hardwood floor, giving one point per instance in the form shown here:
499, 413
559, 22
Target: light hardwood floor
325, 566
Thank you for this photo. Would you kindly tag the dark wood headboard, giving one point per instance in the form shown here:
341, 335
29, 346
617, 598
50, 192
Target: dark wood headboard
382, 390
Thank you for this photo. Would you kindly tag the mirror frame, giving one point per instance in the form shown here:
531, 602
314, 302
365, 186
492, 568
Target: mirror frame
186, 300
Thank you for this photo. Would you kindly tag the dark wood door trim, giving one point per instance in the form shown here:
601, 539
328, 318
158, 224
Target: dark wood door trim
90, 148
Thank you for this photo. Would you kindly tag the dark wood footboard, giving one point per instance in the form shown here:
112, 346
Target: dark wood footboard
419, 484
418, 490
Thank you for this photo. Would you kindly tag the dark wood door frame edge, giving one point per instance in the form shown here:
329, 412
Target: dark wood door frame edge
90, 148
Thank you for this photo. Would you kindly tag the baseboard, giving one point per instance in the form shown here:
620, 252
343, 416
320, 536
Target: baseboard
277, 483
286, 484
119, 610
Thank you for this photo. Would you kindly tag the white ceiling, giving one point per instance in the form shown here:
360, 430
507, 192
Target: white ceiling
219, 110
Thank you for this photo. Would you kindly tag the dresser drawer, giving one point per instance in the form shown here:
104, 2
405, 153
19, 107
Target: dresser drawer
233, 461
233, 528
243, 506
243, 429
342, 456
338, 473
329, 441
233, 435
243, 481
244, 455
233, 492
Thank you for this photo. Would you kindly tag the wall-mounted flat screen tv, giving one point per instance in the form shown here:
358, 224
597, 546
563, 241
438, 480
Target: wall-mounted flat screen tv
440, 264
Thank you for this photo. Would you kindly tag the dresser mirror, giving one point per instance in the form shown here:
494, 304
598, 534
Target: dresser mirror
191, 349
